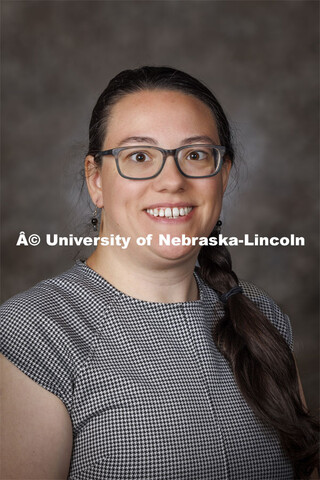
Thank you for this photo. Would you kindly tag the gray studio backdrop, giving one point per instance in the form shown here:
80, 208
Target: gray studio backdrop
261, 60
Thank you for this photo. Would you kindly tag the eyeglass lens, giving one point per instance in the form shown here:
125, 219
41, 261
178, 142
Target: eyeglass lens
146, 162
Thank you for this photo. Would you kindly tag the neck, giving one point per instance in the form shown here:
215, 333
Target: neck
165, 281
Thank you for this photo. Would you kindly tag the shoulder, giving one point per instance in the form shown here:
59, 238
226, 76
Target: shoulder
48, 330
270, 309
45, 304
70, 296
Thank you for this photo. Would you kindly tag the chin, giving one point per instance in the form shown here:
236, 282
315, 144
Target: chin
178, 252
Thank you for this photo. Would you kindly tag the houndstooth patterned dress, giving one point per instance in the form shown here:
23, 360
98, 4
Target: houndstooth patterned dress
149, 395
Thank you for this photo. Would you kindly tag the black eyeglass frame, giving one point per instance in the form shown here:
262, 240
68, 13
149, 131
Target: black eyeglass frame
174, 152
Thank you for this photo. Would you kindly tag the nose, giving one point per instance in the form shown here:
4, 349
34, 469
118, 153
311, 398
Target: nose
170, 179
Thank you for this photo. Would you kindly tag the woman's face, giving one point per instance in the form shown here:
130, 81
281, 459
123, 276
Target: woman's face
168, 119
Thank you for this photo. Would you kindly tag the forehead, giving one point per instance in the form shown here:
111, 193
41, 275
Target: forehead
165, 115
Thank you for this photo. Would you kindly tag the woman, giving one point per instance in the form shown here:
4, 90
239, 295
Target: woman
131, 365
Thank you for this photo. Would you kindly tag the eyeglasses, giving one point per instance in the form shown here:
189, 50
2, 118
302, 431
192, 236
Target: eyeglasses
145, 162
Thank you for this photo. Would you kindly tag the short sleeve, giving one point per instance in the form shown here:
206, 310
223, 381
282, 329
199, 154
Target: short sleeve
288, 331
271, 310
35, 340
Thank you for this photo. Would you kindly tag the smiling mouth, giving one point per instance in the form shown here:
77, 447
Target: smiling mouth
168, 212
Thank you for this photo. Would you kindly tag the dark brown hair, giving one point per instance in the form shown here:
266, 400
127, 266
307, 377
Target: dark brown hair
262, 362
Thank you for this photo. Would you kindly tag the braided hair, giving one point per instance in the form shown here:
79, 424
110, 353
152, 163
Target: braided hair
261, 360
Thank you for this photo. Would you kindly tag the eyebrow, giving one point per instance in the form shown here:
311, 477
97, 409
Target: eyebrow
199, 138
145, 140
152, 141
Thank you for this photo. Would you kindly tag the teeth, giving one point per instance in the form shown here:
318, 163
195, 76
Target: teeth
169, 212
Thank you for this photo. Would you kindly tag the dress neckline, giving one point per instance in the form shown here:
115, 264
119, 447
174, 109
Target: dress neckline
102, 281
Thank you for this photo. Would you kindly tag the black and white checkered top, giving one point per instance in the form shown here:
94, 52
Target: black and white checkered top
149, 395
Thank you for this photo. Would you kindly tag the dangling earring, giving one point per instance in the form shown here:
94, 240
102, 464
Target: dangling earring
94, 219
218, 226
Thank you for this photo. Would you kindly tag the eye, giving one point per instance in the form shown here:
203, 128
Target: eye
140, 157
197, 155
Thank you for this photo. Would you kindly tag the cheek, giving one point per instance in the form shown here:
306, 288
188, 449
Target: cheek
213, 192
119, 194
111, 182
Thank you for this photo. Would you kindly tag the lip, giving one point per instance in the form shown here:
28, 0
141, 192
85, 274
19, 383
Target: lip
171, 221
171, 205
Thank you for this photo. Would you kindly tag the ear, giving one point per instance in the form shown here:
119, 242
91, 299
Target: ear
225, 172
93, 178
